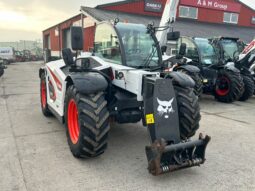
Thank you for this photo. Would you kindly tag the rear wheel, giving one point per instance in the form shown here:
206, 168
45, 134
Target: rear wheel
43, 92
87, 124
189, 111
229, 86
248, 88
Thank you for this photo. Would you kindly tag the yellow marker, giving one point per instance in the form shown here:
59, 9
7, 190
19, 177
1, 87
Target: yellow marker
150, 119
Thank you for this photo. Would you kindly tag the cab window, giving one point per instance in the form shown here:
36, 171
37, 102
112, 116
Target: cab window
107, 45
191, 50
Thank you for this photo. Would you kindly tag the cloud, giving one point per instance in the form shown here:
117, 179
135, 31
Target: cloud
31, 17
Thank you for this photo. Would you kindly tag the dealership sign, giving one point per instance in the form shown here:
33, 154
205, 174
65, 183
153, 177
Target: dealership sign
213, 4
153, 6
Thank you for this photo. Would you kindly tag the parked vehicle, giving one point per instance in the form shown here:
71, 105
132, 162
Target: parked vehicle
221, 80
7, 54
122, 80
19, 56
228, 50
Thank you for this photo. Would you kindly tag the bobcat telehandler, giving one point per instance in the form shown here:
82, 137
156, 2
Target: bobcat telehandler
228, 50
122, 81
223, 81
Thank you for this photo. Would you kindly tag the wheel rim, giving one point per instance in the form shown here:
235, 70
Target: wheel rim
222, 86
43, 94
73, 123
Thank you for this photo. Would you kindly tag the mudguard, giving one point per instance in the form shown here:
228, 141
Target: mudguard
231, 67
88, 83
189, 68
181, 79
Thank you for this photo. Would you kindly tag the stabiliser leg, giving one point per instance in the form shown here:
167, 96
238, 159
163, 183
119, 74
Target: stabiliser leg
168, 152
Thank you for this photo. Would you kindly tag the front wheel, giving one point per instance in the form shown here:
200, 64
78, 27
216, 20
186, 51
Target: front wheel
87, 123
248, 88
229, 86
189, 111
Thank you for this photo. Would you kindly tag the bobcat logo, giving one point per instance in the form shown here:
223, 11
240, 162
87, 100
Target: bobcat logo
165, 108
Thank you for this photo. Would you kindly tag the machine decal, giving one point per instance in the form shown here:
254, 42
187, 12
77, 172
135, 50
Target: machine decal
165, 108
59, 85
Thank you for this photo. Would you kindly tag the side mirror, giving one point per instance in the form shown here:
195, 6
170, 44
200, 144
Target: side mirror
163, 49
173, 35
77, 38
182, 50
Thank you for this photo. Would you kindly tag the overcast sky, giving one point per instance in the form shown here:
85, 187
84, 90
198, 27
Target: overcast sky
25, 19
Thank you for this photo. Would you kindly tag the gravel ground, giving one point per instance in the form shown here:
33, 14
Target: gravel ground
34, 155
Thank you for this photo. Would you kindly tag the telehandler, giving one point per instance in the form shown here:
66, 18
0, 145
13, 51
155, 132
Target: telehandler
121, 81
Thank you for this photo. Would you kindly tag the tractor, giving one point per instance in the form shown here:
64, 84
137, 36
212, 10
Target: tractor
122, 81
219, 79
228, 50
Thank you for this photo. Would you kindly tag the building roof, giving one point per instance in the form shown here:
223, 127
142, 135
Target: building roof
186, 27
116, 3
248, 3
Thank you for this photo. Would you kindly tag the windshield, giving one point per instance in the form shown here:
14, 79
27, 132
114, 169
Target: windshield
230, 47
140, 48
207, 52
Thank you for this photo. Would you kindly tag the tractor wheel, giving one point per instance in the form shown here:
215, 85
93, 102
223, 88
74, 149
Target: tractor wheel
189, 111
229, 86
198, 89
43, 90
87, 123
248, 88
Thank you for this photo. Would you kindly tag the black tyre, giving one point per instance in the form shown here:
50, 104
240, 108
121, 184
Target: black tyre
87, 123
229, 86
189, 111
1, 71
248, 88
198, 89
43, 92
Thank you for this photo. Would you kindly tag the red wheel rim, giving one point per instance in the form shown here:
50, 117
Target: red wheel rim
73, 123
43, 94
222, 86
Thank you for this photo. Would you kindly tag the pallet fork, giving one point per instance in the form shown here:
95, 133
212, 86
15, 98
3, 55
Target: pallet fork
168, 152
